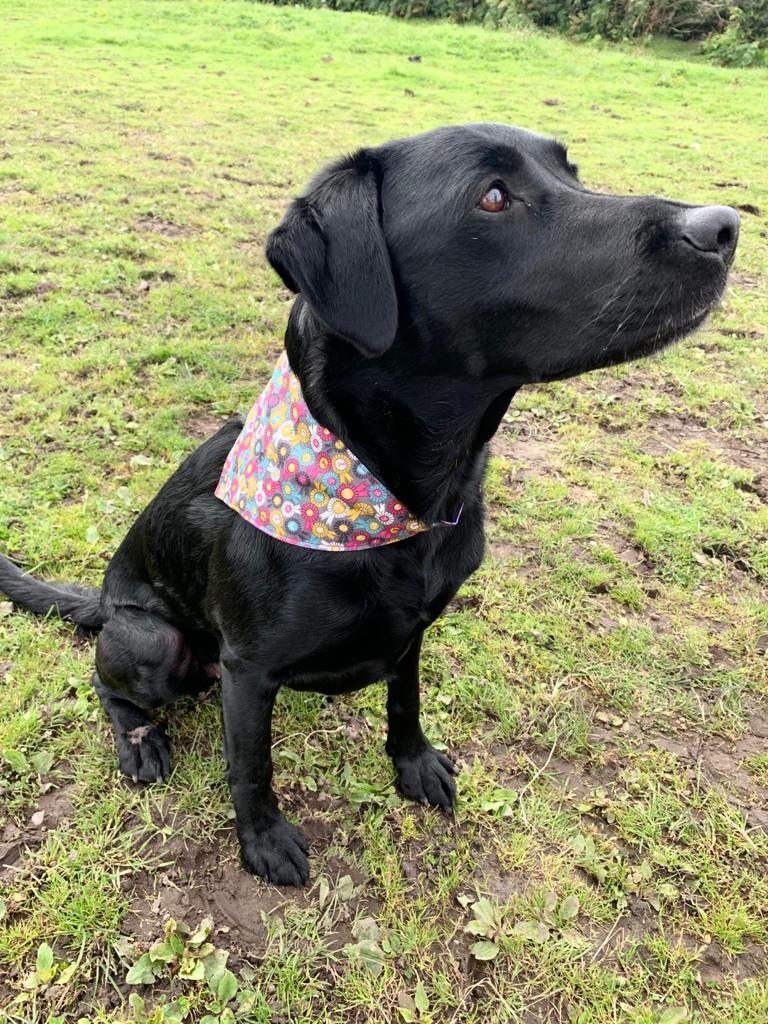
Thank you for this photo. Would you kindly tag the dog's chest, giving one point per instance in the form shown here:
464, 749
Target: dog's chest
358, 626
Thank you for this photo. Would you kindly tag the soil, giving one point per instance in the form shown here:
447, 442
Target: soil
202, 425
534, 451
200, 879
158, 226
52, 810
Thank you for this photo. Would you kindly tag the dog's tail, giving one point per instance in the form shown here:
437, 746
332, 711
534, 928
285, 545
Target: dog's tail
66, 600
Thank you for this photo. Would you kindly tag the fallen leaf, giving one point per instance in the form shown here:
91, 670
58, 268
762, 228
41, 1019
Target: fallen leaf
674, 1015
484, 950
366, 929
420, 998
569, 908
345, 888
405, 1002
324, 891
535, 931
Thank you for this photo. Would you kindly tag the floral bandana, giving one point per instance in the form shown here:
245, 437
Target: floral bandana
298, 482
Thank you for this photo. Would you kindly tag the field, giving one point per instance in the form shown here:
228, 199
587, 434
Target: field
602, 679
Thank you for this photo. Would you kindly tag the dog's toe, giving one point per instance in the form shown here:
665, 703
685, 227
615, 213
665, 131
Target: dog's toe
277, 854
428, 778
144, 754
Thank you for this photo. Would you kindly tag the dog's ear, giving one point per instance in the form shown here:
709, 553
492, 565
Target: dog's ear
330, 247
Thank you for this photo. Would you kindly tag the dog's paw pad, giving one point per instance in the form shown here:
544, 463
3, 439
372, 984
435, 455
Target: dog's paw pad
277, 854
144, 754
427, 777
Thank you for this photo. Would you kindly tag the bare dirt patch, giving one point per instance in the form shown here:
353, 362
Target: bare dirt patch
668, 434
206, 879
639, 920
199, 880
158, 226
753, 334
719, 760
535, 456
202, 425
52, 811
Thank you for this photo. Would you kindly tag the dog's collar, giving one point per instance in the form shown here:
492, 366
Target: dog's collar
292, 478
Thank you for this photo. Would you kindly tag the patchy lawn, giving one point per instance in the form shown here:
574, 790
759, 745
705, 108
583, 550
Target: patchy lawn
603, 678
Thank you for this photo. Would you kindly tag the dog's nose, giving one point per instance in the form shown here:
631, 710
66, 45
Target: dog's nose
712, 229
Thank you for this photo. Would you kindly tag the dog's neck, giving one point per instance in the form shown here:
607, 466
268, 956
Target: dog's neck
422, 433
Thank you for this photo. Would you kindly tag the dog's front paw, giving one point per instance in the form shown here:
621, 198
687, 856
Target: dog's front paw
278, 854
144, 754
427, 777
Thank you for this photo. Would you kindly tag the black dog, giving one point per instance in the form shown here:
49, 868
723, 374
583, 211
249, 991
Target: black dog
436, 275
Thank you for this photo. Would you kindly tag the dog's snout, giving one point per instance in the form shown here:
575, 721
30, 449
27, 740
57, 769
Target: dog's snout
712, 229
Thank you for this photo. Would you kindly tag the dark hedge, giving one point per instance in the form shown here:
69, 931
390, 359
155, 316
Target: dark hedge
728, 33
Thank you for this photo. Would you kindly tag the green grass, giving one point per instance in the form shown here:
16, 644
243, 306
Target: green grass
603, 676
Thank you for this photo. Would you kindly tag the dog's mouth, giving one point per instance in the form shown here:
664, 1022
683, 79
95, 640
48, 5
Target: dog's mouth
675, 327
642, 334
634, 337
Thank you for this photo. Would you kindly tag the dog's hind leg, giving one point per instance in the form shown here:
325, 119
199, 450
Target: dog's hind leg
424, 774
142, 662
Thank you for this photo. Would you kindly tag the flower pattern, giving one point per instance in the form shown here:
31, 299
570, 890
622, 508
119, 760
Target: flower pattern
292, 478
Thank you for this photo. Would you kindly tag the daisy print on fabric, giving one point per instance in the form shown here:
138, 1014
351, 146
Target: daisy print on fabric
294, 479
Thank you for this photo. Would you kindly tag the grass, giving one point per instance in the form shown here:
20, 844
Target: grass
604, 675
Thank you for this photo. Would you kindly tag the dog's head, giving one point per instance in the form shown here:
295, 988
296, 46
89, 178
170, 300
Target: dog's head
479, 243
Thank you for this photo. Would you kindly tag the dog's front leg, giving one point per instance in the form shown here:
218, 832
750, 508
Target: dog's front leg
270, 846
424, 774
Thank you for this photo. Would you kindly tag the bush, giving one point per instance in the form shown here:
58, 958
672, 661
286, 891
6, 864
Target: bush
628, 19
731, 34
745, 40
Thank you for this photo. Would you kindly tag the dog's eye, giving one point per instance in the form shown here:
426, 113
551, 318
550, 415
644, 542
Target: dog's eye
495, 200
